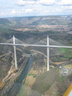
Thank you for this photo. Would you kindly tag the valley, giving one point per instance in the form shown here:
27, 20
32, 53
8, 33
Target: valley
34, 30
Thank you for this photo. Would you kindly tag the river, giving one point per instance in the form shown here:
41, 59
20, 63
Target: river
17, 85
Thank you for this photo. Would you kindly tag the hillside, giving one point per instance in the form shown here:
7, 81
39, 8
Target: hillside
34, 30
57, 27
47, 23
45, 84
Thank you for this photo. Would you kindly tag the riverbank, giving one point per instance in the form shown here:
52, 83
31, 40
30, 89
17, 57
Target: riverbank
18, 84
10, 82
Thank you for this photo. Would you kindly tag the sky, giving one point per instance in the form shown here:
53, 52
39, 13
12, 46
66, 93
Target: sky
18, 8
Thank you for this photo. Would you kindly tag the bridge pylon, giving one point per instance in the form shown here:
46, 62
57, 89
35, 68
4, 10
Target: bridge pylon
47, 53
15, 57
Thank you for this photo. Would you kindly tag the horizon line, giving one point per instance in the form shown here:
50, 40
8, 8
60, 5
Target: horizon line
34, 16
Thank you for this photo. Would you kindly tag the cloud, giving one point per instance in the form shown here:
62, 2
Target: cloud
20, 11
24, 2
44, 2
65, 2
26, 10
47, 2
13, 11
67, 7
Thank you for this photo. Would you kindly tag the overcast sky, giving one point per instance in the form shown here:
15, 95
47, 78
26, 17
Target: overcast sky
11, 8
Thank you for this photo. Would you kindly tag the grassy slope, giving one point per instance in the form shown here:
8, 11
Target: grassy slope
45, 80
46, 84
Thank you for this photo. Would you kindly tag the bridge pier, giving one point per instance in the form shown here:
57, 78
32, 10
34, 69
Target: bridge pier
47, 53
15, 57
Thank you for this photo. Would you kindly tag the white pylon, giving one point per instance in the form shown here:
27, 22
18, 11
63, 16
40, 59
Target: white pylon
47, 53
15, 57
